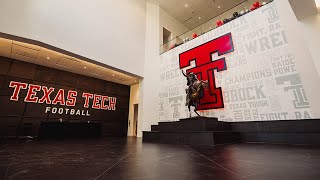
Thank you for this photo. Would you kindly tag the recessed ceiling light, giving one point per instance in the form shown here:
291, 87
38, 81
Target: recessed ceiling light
186, 5
85, 67
112, 74
199, 17
219, 7
48, 57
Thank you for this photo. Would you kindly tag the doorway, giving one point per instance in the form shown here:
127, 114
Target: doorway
165, 39
135, 119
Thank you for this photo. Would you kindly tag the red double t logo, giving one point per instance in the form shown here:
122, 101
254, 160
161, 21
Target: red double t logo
205, 66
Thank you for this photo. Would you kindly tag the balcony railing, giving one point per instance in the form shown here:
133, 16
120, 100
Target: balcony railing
241, 9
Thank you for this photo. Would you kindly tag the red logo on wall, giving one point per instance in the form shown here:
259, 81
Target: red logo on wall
205, 66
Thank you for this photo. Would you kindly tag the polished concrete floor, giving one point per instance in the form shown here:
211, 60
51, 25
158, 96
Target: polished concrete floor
127, 159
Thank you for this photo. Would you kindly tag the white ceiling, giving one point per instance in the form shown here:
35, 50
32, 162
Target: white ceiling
46, 57
303, 9
205, 9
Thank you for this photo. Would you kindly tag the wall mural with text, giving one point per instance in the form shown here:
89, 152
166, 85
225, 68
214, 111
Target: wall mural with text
251, 71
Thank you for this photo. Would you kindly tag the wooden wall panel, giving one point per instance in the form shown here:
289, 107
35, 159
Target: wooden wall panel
22, 70
34, 110
2, 80
4, 65
11, 108
7, 91
45, 74
67, 79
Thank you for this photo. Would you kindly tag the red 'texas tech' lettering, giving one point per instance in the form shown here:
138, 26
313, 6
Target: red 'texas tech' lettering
46, 95
99, 101
32, 92
87, 97
96, 101
112, 103
205, 66
59, 98
72, 98
103, 105
17, 87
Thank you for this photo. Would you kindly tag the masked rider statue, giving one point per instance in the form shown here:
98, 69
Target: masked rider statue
191, 79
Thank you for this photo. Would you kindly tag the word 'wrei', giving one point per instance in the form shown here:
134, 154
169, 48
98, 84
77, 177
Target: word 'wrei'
61, 97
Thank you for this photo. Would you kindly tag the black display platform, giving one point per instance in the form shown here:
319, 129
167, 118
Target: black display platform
210, 131
193, 131
300, 131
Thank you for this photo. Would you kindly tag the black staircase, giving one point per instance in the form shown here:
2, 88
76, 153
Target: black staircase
192, 131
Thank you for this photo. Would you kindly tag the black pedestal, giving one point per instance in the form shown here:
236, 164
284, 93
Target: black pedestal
192, 131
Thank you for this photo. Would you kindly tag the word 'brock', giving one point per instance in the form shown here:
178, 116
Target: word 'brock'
49, 95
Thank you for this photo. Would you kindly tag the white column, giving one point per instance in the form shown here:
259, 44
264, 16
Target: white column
149, 86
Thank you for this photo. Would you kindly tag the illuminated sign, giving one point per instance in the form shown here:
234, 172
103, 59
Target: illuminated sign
60, 97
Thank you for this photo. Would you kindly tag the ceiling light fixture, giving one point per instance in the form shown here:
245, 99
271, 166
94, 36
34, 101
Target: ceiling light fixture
112, 74
186, 5
219, 7
199, 17
85, 67
48, 57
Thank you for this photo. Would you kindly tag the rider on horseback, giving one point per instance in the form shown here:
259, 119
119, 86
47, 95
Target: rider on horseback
191, 78
195, 91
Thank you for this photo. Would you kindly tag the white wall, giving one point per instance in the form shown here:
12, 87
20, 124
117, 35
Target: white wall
156, 19
311, 29
302, 52
134, 99
149, 86
111, 32
171, 24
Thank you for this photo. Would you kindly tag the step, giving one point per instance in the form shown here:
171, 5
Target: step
154, 127
203, 124
199, 118
192, 137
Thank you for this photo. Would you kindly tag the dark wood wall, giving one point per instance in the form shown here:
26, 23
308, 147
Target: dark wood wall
25, 119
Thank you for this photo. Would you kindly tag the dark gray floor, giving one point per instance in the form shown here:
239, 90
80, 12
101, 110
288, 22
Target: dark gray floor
131, 159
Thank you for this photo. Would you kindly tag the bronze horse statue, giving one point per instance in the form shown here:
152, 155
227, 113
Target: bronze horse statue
195, 91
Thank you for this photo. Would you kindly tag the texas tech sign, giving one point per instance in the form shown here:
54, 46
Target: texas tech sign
205, 66
51, 96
